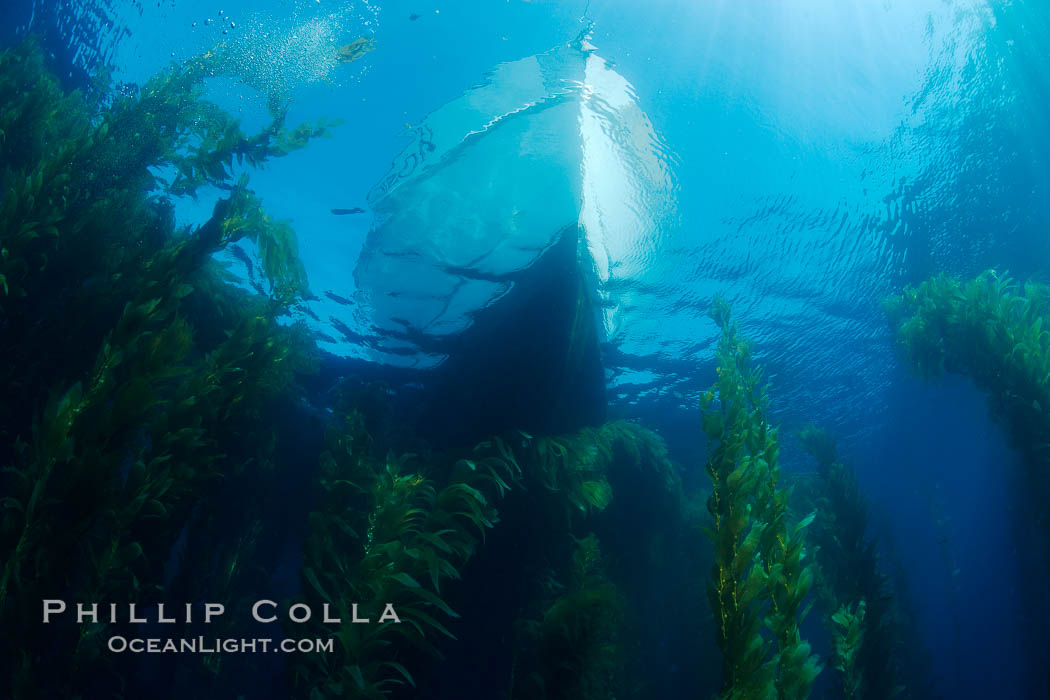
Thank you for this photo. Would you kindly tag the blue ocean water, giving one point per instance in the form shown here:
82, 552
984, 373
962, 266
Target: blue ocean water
804, 158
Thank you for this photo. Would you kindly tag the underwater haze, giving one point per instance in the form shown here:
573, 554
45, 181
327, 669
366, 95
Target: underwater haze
667, 349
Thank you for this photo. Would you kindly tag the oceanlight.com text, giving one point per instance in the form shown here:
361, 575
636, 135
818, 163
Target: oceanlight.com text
206, 645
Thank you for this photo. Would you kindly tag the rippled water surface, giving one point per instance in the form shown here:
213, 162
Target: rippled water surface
804, 160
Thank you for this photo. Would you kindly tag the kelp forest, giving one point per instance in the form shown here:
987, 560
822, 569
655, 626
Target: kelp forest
172, 437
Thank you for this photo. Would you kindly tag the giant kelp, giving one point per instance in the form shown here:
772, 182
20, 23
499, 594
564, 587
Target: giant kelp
577, 466
992, 330
761, 576
142, 469
996, 332
134, 379
573, 650
143, 459
86, 223
876, 656
848, 639
589, 636
389, 529
848, 578
386, 534
405, 529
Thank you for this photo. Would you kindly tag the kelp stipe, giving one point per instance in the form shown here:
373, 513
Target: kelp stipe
761, 577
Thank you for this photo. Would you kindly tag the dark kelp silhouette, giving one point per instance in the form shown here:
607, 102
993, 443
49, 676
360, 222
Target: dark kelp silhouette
874, 652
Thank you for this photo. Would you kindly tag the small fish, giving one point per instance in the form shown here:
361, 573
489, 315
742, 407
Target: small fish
344, 212
413, 17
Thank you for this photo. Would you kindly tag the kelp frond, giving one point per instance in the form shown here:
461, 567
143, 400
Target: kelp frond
761, 577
